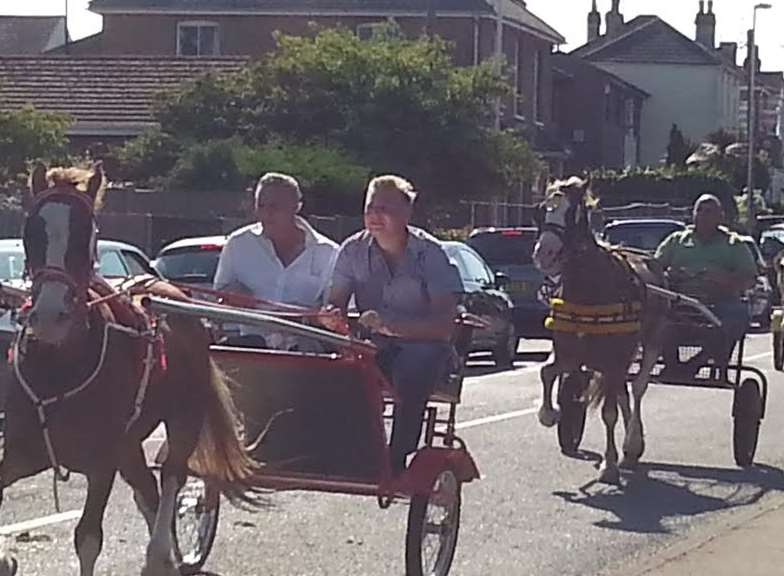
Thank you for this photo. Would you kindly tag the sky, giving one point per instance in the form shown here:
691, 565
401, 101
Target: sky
733, 17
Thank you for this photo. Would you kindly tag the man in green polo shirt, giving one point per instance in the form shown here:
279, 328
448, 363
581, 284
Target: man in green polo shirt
713, 264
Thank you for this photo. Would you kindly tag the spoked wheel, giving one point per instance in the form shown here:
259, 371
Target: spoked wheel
572, 422
778, 350
195, 524
433, 523
747, 413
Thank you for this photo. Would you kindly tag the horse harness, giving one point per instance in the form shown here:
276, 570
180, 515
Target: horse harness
597, 319
145, 329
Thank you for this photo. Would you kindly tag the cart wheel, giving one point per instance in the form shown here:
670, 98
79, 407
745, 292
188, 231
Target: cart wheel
195, 524
747, 413
778, 350
433, 523
571, 425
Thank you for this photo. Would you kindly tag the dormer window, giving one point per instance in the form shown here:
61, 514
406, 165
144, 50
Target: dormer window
196, 38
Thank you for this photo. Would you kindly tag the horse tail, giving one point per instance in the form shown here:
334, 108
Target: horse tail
597, 390
220, 455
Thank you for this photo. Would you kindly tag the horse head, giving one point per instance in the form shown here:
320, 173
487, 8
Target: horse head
59, 241
563, 224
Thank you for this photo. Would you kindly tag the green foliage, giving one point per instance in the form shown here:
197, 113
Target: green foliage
28, 134
386, 105
146, 158
331, 178
208, 166
674, 185
679, 147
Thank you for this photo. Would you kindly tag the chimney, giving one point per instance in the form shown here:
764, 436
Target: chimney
706, 26
614, 18
729, 51
594, 23
750, 44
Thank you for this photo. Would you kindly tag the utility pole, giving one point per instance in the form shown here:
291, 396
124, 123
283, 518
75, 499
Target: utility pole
431, 18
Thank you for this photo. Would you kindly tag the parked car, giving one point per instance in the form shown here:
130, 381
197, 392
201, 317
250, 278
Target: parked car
485, 297
191, 261
509, 251
115, 260
641, 233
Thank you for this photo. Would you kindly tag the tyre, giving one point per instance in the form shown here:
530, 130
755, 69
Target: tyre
747, 413
778, 350
195, 524
433, 524
506, 349
571, 425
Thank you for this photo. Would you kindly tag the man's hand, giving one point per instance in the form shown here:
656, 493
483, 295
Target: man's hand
333, 318
373, 321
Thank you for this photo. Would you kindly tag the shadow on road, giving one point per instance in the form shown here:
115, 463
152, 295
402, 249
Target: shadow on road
656, 492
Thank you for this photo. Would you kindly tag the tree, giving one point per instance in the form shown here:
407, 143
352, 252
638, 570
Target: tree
679, 147
389, 104
28, 134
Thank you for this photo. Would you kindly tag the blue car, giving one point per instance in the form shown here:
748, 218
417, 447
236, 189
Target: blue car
510, 252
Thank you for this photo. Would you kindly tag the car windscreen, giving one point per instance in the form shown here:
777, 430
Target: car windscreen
505, 249
643, 236
195, 264
12, 265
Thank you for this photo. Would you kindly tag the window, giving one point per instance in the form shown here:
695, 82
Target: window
111, 265
475, 269
197, 39
135, 263
629, 114
537, 86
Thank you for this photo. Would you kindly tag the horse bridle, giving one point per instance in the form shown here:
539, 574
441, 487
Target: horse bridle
57, 273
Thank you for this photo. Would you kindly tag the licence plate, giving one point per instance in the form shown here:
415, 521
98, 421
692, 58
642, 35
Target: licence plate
519, 287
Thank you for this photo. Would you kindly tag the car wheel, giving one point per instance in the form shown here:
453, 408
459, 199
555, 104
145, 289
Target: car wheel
506, 348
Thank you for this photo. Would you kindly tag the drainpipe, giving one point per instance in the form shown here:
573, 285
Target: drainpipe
476, 40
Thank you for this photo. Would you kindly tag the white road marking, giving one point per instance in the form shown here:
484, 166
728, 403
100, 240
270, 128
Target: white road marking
495, 418
35, 523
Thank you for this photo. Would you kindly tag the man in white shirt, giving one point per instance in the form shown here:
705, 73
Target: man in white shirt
279, 258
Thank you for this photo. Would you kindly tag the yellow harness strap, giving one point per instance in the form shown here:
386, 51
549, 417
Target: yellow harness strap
593, 318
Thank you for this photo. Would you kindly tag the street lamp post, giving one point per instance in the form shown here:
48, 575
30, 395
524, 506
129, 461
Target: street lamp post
752, 98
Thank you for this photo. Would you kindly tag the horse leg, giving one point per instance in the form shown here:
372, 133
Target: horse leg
609, 470
634, 442
183, 435
548, 415
88, 536
145, 488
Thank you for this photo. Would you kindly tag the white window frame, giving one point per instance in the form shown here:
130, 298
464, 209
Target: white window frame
199, 24
517, 105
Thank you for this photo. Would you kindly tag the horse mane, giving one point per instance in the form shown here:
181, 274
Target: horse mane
76, 177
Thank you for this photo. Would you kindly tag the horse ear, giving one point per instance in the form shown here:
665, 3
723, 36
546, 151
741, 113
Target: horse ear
95, 183
38, 179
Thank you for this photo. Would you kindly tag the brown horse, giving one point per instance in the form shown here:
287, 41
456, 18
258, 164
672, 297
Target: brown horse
593, 275
80, 403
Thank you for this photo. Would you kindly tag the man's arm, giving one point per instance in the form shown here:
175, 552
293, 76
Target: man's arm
439, 324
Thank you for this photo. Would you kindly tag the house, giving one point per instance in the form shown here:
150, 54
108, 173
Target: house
109, 98
691, 83
477, 29
597, 113
31, 34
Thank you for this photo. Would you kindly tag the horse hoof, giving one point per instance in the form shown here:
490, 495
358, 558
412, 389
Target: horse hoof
549, 417
610, 475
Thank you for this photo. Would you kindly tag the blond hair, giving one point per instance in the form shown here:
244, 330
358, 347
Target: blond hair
392, 182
